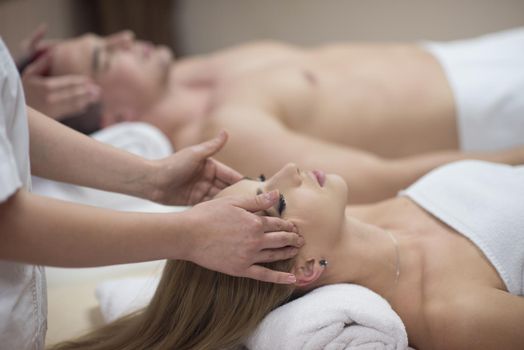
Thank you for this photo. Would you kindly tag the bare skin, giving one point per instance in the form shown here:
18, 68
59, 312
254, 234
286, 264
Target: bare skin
448, 294
380, 115
337, 93
458, 285
380, 123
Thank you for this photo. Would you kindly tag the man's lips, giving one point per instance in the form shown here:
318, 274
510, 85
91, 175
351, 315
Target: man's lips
320, 176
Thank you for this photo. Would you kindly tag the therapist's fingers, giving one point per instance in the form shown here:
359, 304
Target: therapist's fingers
260, 202
264, 274
219, 184
38, 67
270, 255
272, 224
281, 239
67, 82
213, 191
72, 101
225, 174
209, 148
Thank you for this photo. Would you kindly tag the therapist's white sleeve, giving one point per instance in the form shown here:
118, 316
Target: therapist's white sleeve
10, 181
14, 134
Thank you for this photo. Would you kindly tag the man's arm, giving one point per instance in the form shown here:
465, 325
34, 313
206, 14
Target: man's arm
259, 143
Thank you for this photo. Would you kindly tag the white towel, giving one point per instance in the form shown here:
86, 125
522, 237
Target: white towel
484, 202
138, 138
335, 317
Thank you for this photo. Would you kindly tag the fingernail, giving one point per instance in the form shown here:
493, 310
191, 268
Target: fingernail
271, 196
291, 279
301, 241
94, 90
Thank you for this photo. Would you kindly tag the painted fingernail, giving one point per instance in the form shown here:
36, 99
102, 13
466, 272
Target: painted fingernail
291, 279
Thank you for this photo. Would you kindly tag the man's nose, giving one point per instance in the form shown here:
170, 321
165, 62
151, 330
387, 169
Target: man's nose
122, 40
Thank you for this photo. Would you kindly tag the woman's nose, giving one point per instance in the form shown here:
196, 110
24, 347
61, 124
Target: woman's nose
289, 175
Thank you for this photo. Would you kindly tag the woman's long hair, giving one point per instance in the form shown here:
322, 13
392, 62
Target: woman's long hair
193, 308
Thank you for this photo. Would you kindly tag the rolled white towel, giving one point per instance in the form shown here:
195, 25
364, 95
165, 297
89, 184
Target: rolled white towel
335, 317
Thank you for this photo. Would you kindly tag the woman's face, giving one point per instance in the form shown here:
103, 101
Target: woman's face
131, 73
314, 202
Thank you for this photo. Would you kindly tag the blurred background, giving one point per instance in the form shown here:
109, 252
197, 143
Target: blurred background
200, 26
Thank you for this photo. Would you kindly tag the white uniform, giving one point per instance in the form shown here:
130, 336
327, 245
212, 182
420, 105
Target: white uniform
23, 305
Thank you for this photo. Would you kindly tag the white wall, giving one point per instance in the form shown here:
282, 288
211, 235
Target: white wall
18, 18
205, 25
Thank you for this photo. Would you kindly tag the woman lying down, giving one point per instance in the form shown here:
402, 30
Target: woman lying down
447, 254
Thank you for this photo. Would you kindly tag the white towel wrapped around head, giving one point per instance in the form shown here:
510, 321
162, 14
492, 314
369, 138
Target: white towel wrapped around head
335, 317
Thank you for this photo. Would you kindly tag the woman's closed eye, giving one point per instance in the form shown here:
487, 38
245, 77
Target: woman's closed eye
281, 204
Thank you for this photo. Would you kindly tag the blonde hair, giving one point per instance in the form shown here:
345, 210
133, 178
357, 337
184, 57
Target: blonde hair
193, 308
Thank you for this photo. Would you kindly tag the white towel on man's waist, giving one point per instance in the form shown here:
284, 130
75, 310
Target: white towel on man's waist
335, 317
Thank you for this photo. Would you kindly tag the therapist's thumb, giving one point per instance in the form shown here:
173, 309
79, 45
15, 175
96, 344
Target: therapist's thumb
209, 148
40, 66
260, 202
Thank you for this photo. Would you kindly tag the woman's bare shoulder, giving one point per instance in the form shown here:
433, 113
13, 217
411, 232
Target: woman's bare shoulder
480, 318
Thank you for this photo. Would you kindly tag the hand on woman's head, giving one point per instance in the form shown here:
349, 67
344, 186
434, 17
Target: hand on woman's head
227, 237
314, 202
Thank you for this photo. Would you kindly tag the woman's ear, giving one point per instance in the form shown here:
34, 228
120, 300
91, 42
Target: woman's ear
307, 272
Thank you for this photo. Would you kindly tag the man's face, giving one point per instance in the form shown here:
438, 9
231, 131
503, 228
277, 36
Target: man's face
131, 74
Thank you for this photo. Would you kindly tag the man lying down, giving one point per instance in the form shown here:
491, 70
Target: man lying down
379, 115
447, 255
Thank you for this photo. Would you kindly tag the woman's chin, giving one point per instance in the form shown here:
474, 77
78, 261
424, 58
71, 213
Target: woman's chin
337, 184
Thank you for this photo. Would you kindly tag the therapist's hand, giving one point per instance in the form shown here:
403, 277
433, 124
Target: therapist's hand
224, 235
57, 96
190, 175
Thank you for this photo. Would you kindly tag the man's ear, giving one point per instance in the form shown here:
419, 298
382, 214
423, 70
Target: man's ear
307, 272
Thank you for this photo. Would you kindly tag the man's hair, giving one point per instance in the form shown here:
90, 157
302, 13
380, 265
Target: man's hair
86, 122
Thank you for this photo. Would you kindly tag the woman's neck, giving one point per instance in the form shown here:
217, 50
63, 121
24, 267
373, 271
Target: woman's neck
367, 255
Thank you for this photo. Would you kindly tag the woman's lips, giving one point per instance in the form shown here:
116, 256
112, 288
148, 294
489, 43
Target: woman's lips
320, 176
